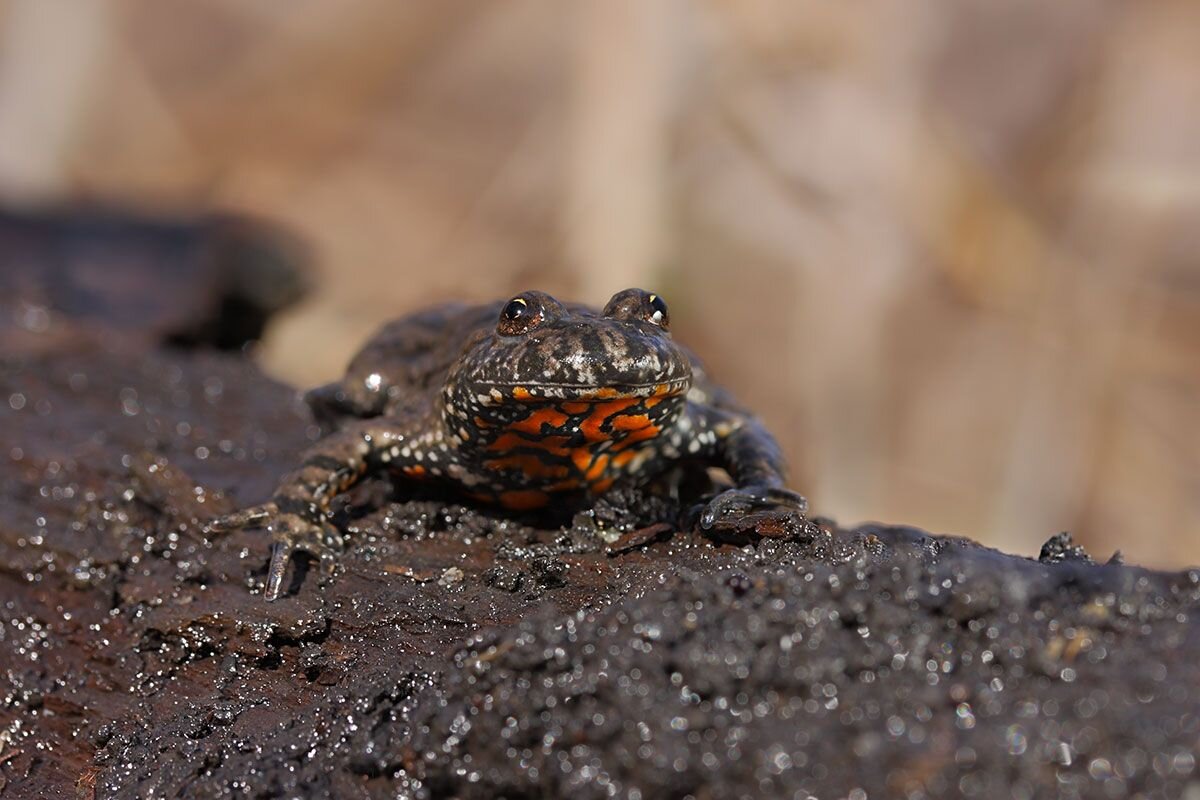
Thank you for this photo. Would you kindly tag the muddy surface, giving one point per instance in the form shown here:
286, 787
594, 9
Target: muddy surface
461, 653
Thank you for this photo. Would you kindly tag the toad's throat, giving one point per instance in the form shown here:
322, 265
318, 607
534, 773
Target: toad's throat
570, 446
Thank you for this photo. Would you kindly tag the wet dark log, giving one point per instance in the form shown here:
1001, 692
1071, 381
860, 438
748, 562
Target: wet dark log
463, 653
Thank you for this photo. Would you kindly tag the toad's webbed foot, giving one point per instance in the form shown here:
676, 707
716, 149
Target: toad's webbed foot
290, 533
748, 507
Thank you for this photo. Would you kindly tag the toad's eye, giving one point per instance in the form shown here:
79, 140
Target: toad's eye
516, 309
635, 305
658, 311
520, 315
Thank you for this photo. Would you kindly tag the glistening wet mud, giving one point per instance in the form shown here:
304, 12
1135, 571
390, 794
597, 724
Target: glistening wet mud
459, 652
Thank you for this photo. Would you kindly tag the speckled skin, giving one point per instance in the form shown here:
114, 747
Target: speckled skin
521, 404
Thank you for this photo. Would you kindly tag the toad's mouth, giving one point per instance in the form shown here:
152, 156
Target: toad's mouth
534, 392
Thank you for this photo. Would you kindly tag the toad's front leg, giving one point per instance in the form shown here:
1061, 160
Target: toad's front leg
751, 456
298, 516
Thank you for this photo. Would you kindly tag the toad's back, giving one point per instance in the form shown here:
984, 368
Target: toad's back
404, 365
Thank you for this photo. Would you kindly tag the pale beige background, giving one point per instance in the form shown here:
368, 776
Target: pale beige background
949, 251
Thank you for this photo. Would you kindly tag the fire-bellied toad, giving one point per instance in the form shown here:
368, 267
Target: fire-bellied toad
522, 404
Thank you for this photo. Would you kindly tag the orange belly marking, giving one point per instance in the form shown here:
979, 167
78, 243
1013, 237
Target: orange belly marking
623, 458
639, 435
556, 445
597, 468
601, 413
631, 422
542, 416
581, 457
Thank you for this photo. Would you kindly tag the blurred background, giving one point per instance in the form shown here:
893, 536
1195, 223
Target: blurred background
949, 252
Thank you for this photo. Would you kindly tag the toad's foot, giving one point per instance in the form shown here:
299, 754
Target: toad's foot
253, 517
290, 533
765, 507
